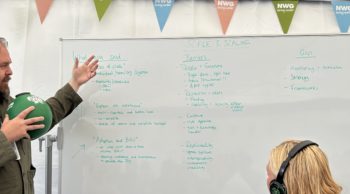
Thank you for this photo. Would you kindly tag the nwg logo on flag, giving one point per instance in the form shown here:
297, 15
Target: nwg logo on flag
162, 8
285, 12
342, 13
226, 9
285, 6
341, 8
225, 3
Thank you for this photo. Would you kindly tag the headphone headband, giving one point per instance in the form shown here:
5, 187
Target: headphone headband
293, 152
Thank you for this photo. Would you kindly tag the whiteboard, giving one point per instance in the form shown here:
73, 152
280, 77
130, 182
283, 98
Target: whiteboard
200, 115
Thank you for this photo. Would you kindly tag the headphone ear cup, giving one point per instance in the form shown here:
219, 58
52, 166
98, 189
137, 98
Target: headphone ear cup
277, 188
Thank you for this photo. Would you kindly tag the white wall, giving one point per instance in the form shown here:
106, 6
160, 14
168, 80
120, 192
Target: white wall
35, 47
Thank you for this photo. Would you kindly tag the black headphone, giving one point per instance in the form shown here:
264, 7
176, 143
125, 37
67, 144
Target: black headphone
277, 185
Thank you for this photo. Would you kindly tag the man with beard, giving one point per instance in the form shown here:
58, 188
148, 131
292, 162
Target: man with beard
16, 170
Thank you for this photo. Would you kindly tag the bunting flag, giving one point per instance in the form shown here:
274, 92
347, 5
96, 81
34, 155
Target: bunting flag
101, 7
226, 9
285, 10
162, 8
43, 7
342, 13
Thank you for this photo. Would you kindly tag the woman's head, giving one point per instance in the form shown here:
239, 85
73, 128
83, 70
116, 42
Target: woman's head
308, 172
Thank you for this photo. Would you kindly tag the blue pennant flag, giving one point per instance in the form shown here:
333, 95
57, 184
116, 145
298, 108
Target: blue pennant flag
163, 8
342, 12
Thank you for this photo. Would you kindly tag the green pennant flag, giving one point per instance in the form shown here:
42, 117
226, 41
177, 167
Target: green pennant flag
101, 7
285, 12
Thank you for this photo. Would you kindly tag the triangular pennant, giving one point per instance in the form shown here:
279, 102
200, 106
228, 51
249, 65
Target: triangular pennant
225, 9
43, 7
285, 12
162, 8
342, 13
101, 7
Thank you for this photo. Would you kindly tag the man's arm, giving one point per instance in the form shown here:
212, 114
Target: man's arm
63, 103
67, 99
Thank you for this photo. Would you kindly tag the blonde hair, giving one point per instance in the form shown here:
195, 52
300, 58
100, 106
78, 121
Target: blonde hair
308, 172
